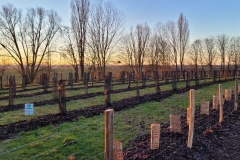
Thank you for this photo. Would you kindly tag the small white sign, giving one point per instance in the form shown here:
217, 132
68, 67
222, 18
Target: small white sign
29, 109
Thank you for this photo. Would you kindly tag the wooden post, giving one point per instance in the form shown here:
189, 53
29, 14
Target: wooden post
62, 98
45, 82
137, 90
14, 86
225, 73
85, 81
0, 82
11, 91
188, 80
99, 76
54, 88
92, 77
108, 136
166, 76
7, 80
220, 103
157, 82
191, 122
129, 79
107, 89
143, 80
204, 74
70, 79
123, 77
236, 95
219, 76
133, 76
23, 82
174, 82
196, 79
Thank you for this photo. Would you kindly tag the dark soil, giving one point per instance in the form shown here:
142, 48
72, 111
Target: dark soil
212, 140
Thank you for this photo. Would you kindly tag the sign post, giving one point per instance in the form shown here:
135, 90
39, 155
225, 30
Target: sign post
29, 109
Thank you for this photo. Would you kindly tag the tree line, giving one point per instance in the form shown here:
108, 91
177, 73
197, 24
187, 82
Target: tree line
96, 36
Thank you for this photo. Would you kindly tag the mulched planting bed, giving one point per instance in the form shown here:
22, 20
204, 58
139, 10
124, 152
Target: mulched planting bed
211, 140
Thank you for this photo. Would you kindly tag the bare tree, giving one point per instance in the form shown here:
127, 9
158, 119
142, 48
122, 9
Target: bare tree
79, 20
135, 47
47, 64
105, 25
211, 53
27, 38
195, 53
143, 37
172, 38
234, 52
183, 35
69, 51
163, 46
158, 53
153, 54
222, 44
127, 49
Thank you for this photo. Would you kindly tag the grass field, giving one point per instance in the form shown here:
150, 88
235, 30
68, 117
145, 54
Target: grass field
84, 138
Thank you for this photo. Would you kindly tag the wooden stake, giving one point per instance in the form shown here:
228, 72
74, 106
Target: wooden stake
62, 98
108, 124
220, 103
236, 95
191, 123
1, 82
11, 91
54, 88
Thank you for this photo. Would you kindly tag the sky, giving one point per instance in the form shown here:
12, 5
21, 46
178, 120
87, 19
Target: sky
205, 17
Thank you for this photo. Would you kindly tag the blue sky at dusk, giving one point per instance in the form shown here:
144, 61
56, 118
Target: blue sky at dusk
206, 17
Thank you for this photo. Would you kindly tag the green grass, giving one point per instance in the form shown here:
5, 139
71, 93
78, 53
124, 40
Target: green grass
14, 116
84, 138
